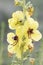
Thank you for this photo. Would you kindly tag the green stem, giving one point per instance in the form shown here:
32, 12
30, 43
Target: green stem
28, 3
24, 7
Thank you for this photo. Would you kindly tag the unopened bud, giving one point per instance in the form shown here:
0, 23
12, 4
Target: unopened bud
32, 60
10, 54
30, 10
17, 2
31, 46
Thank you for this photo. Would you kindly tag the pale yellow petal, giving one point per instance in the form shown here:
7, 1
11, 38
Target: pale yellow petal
9, 38
33, 24
12, 23
19, 15
14, 15
11, 49
36, 36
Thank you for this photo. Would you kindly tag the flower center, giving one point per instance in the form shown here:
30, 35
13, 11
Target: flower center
30, 31
15, 38
20, 21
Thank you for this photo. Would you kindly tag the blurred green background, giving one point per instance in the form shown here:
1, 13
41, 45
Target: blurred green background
7, 7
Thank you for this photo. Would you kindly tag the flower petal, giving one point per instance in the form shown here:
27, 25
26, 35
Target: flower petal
32, 23
10, 49
9, 38
19, 15
36, 36
12, 23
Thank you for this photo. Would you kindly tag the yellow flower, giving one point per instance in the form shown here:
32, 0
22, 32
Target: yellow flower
17, 43
12, 38
24, 39
30, 29
14, 44
17, 20
16, 49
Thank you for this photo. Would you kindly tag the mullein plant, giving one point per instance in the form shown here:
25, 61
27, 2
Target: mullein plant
25, 32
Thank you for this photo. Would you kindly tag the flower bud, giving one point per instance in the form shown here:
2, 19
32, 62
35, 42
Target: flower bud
31, 46
10, 54
30, 10
32, 60
17, 2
